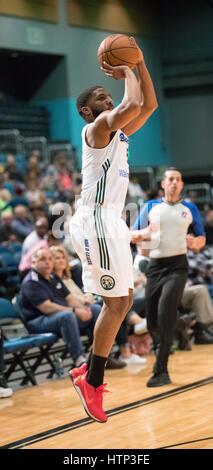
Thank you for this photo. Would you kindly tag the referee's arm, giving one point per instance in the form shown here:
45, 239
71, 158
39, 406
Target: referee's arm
141, 229
195, 243
197, 240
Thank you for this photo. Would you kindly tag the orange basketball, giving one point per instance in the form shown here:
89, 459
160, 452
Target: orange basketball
118, 49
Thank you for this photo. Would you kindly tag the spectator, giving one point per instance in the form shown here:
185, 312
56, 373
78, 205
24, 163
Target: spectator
26, 260
34, 163
40, 233
197, 299
22, 223
48, 306
18, 197
5, 198
7, 233
11, 167
62, 269
8, 183
34, 195
201, 266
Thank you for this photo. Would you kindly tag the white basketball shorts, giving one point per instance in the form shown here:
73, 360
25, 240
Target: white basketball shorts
102, 242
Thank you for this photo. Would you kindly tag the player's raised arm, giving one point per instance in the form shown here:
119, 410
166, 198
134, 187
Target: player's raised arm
148, 99
129, 107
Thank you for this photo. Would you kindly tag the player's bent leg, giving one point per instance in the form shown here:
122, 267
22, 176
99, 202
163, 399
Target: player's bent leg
89, 384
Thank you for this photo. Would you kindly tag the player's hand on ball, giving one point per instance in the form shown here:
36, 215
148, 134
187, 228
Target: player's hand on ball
117, 72
141, 56
140, 53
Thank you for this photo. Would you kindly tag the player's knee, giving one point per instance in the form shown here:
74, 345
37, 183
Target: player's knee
118, 306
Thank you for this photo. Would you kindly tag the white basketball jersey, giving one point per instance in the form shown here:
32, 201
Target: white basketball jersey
105, 173
99, 235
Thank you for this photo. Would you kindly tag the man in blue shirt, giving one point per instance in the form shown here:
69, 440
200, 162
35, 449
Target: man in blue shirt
167, 221
48, 306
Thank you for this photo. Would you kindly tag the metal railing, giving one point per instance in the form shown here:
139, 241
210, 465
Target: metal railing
145, 176
37, 143
67, 149
11, 140
201, 192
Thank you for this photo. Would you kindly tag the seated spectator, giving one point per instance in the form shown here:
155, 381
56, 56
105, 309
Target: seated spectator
22, 223
11, 167
8, 182
7, 234
39, 233
35, 196
5, 198
65, 180
60, 161
48, 306
26, 261
18, 198
62, 269
201, 266
33, 165
196, 298
5, 391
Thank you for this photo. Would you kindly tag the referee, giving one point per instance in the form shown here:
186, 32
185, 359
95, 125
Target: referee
175, 225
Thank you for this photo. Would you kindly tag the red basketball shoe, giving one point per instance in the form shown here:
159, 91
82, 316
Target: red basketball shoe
74, 373
91, 397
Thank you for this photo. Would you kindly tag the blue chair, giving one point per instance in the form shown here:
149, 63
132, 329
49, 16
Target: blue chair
21, 163
15, 247
19, 347
4, 249
8, 263
9, 274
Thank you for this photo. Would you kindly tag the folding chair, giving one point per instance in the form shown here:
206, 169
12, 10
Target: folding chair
19, 347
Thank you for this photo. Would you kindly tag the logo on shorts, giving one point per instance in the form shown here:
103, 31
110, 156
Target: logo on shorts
107, 282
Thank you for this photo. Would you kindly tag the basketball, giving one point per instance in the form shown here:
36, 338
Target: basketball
118, 49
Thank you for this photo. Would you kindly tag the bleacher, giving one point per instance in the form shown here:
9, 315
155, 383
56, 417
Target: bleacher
30, 120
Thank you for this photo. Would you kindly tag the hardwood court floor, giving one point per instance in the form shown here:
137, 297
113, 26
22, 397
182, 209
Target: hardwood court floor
50, 416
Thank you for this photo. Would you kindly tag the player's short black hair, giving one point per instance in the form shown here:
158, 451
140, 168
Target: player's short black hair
84, 97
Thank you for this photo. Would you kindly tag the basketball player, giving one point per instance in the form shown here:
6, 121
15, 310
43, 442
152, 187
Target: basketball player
99, 235
169, 218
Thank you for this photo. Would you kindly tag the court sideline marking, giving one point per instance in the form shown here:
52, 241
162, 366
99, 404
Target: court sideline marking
114, 411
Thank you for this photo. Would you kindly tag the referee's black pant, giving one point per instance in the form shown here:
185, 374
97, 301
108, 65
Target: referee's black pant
166, 278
